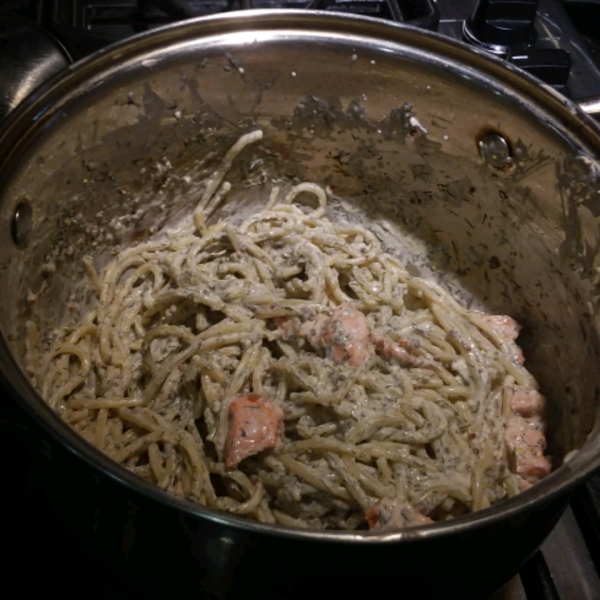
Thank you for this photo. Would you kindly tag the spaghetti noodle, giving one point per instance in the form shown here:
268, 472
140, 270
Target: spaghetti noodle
290, 370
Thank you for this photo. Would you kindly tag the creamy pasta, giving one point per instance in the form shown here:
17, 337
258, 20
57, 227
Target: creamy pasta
290, 370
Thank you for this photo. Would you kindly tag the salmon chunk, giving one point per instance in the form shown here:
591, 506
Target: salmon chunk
387, 515
286, 326
389, 349
507, 329
312, 331
254, 425
527, 403
346, 336
526, 443
399, 351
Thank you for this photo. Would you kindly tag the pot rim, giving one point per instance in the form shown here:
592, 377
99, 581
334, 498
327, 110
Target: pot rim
40, 107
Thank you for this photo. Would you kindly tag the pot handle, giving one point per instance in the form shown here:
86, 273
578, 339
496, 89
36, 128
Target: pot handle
23, 71
591, 106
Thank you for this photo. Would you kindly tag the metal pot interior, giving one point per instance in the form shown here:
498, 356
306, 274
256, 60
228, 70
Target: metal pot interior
119, 148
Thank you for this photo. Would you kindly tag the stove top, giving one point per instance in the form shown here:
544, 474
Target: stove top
539, 37
558, 42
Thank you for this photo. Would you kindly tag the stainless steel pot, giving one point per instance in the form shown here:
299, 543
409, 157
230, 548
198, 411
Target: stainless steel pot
492, 172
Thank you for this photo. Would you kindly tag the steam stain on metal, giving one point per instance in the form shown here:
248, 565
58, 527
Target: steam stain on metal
579, 187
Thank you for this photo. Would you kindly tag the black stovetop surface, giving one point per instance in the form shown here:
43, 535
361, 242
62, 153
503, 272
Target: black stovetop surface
565, 49
44, 557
